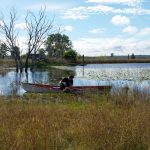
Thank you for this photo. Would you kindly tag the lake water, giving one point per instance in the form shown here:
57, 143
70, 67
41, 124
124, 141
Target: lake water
134, 75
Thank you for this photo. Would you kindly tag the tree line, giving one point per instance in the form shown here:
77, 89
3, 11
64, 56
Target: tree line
38, 32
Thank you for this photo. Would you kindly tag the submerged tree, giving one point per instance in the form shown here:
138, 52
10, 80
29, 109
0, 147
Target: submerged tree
11, 38
37, 29
57, 44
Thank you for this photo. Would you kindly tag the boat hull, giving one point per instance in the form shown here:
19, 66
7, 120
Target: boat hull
43, 88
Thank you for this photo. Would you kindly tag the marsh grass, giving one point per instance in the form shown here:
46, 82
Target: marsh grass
108, 59
5, 63
74, 122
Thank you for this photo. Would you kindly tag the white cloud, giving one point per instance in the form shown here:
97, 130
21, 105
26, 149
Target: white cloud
21, 41
120, 20
125, 2
75, 13
130, 30
1, 23
137, 32
118, 46
85, 12
98, 30
100, 9
68, 28
20, 25
48, 6
144, 32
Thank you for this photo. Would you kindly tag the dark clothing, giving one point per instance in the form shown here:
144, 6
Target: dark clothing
66, 82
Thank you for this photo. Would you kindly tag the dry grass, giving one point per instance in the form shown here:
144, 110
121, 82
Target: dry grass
5, 63
108, 59
71, 122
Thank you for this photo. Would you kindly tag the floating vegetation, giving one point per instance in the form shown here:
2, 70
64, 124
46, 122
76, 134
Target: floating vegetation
115, 74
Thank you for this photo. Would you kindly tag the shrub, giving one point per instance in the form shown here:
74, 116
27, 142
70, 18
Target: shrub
70, 55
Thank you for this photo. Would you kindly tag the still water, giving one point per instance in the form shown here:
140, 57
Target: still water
135, 76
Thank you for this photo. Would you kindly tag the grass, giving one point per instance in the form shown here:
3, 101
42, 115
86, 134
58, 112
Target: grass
74, 122
115, 59
6, 63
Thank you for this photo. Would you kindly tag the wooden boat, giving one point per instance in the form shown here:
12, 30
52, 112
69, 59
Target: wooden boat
43, 88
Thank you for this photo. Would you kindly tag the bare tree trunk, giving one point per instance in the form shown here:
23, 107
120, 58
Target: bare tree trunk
33, 62
26, 64
18, 58
11, 35
20, 64
38, 28
32, 65
17, 66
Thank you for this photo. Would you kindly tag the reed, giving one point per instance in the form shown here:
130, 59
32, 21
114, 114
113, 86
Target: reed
82, 122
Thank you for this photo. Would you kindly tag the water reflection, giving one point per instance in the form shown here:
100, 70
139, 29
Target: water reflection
135, 76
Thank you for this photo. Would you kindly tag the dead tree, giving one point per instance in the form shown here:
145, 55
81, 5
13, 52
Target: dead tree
11, 35
38, 28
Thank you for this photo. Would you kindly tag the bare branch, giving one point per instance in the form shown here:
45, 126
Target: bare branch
9, 31
38, 28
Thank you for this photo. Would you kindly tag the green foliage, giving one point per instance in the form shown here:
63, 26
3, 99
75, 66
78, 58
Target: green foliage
15, 51
3, 50
57, 44
132, 56
24, 56
70, 55
41, 51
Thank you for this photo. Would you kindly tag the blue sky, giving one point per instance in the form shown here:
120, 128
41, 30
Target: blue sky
96, 27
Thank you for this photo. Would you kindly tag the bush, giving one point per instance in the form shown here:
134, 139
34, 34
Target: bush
70, 55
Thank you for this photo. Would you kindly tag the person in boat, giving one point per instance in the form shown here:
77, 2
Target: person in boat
67, 83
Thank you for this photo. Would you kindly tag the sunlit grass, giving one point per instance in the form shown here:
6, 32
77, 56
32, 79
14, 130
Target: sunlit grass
76, 122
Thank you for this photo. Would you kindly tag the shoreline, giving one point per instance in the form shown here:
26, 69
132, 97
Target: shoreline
6, 64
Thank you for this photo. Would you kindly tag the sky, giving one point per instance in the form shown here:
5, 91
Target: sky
95, 27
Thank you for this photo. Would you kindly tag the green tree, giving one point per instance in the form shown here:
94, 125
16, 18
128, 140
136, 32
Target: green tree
133, 56
70, 55
3, 50
41, 51
57, 44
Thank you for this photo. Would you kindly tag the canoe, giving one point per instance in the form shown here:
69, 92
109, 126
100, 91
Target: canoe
44, 88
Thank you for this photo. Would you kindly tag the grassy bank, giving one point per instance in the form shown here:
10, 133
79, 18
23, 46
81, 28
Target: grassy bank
7, 63
93, 60
114, 59
75, 122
